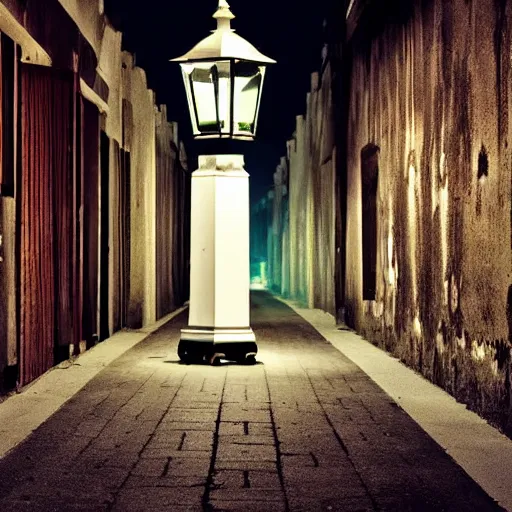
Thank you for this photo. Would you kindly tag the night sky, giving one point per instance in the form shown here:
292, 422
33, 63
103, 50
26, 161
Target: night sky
285, 30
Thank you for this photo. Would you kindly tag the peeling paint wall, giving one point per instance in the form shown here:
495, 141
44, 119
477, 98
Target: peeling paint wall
432, 92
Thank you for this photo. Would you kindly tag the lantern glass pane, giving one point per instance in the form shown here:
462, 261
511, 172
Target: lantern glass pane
224, 99
203, 81
186, 71
248, 80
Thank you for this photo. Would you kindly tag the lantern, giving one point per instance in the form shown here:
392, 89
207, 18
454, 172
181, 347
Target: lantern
223, 76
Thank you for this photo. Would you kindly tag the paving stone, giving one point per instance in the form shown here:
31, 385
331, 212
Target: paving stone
185, 395
163, 453
261, 429
227, 428
165, 481
246, 405
142, 499
258, 393
121, 458
191, 404
264, 480
249, 465
231, 479
241, 495
150, 467
109, 478
197, 440
237, 412
326, 448
50, 505
301, 504
198, 415
249, 439
188, 467
170, 440
91, 427
247, 506
242, 452
186, 425
236, 393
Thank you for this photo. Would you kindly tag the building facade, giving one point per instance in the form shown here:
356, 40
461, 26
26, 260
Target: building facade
93, 186
420, 97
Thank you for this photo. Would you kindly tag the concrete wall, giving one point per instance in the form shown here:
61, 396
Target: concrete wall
297, 219
143, 196
260, 227
279, 256
299, 214
168, 212
432, 92
304, 271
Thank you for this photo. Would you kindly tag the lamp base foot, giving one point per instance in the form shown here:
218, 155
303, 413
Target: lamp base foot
198, 352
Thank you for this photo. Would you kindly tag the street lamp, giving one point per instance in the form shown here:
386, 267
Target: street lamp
223, 76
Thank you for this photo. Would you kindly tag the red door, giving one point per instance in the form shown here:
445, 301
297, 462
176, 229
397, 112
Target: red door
47, 294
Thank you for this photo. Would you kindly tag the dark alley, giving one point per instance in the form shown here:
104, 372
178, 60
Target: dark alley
255, 257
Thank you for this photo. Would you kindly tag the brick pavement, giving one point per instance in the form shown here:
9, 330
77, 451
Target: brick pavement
303, 430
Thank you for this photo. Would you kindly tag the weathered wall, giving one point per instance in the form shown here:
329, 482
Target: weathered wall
135, 132
299, 207
300, 212
77, 37
8, 328
167, 194
322, 170
260, 226
87, 15
279, 209
143, 196
432, 92
308, 265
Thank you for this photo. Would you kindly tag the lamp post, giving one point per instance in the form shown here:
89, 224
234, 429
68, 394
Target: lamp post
223, 76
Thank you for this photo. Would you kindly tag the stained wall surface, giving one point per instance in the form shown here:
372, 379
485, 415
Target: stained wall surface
142, 307
431, 91
306, 231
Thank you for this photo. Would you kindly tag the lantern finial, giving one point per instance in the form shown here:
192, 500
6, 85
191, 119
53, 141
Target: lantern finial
223, 16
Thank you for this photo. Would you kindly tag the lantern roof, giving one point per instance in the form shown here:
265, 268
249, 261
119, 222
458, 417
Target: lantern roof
223, 43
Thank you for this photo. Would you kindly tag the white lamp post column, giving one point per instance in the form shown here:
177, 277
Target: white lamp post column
219, 264
223, 76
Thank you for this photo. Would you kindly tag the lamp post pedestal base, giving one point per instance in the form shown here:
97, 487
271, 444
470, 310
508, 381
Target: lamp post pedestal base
210, 345
218, 325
